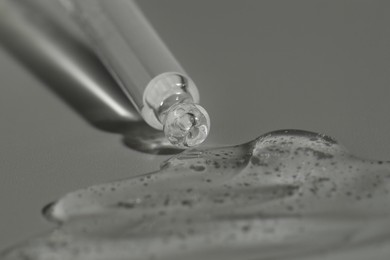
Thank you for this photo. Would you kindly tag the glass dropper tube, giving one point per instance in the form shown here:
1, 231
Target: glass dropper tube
145, 69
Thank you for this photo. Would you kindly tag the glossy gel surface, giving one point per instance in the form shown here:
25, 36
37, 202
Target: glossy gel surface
286, 195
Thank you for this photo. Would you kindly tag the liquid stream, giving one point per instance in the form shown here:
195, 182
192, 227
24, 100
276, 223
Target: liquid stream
286, 195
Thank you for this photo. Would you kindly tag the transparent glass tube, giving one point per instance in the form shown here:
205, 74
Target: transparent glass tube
143, 66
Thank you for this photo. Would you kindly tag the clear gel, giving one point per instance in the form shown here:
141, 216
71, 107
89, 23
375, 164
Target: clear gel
285, 195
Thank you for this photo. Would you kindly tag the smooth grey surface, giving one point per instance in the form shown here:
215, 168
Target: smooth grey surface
259, 65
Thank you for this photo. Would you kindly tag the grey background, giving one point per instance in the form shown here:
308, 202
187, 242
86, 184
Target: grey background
259, 65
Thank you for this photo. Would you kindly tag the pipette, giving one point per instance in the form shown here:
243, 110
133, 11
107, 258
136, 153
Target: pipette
145, 69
